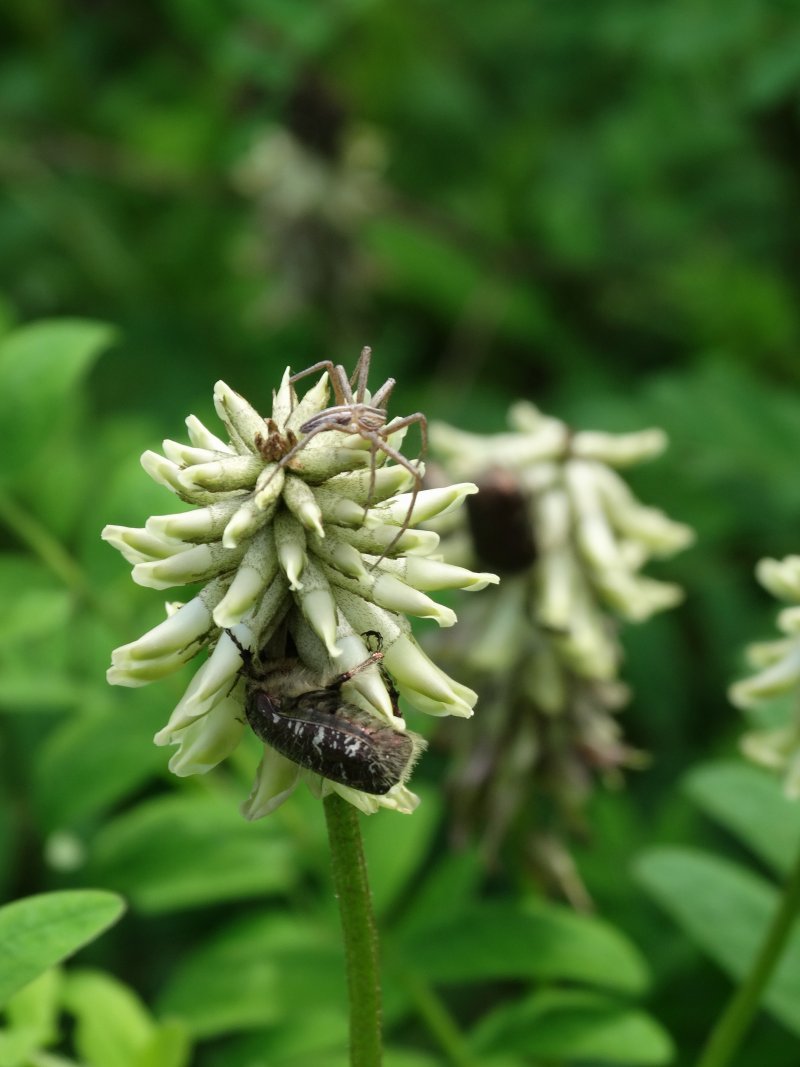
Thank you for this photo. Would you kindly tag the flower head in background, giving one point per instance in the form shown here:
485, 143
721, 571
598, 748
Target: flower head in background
778, 675
298, 540
312, 183
558, 522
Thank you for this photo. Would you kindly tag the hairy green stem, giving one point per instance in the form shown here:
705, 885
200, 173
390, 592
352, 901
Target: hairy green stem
732, 1025
351, 886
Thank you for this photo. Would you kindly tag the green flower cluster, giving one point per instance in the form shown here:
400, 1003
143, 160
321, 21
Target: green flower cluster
300, 544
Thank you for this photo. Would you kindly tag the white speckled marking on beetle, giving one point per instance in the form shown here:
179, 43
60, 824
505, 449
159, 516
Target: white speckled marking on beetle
319, 730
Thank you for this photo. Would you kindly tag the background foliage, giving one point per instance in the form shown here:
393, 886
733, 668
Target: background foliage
594, 208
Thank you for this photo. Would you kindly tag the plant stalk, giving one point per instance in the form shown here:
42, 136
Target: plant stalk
52, 553
733, 1024
351, 885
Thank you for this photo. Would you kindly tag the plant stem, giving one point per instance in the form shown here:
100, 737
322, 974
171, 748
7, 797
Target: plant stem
734, 1022
351, 886
52, 553
439, 1021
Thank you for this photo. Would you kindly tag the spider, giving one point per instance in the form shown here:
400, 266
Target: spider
353, 415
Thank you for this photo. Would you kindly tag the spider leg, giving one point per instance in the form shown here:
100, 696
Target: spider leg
409, 420
337, 375
379, 442
324, 364
373, 456
342, 389
340, 679
381, 397
361, 373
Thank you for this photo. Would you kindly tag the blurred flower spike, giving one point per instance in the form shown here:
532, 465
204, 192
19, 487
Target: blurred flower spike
558, 522
312, 549
580, 533
778, 674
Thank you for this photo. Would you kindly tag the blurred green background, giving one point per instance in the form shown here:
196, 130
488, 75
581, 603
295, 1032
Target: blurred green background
596, 207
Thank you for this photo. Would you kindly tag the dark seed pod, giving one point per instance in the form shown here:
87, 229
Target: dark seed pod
499, 523
322, 732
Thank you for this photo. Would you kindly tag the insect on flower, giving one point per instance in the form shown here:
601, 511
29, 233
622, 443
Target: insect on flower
318, 729
354, 414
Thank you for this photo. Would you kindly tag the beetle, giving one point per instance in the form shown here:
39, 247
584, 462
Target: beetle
317, 728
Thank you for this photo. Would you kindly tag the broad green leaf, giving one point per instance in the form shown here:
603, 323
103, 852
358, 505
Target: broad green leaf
40, 366
169, 1046
34, 604
450, 885
574, 1027
750, 803
27, 691
93, 760
112, 1024
725, 910
256, 972
40, 931
17, 1046
182, 851
36, 1006
528, 940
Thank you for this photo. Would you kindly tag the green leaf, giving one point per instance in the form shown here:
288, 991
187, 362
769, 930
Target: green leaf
455, 877
93, 760
112, 1024
35, 1007
40, 931
256, 972
528, 940
572, 1026
751, 804
182, 851
394, 857
726, 911
41, 366
18, 1046
169, 1046
34, 604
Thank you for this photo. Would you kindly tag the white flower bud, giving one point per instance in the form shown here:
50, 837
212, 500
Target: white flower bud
188, 455
242, 422
290, 542
233, 472
276, 779
619, 450
337, 553
284, 399
781, 677
258, 568
204, 438
195, 564
208, 740
383, 482
650, 526
430, 575
197, 525
312, 403
429, 503
780, 577
300, 500
318, 605
141, 546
